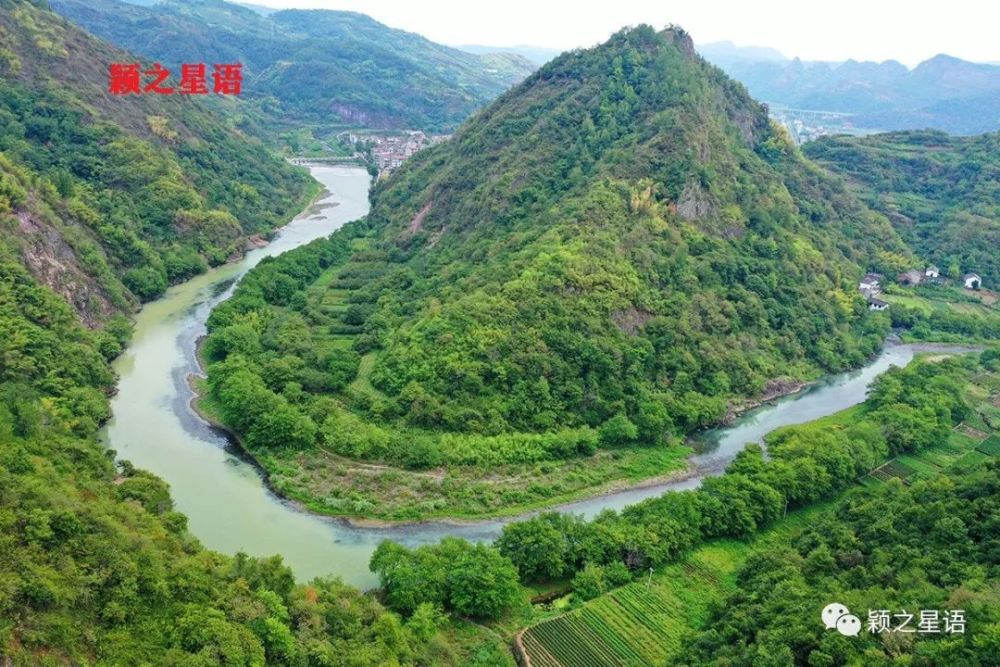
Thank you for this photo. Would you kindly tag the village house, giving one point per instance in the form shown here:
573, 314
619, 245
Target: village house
911, 278
972, 280
932, 272
870, 282
877, 304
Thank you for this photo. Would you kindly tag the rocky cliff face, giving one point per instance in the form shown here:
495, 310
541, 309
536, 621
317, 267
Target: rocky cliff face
54, 263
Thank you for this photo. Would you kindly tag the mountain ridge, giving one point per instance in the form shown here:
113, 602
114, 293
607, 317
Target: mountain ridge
313, 65
942, 92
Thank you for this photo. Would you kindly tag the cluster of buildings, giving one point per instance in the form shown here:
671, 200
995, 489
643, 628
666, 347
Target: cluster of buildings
389, 151
806, 125
870, 285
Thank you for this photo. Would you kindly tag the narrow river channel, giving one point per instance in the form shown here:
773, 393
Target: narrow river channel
228, 506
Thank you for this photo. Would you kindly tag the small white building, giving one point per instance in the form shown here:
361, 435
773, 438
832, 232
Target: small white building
877, 304
932, 272
972, 281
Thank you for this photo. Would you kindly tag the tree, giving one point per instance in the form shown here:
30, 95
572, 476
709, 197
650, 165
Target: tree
482, 583
425, 621
589, 582
618, 430
539, 547
469, 580
282, 427
410, 578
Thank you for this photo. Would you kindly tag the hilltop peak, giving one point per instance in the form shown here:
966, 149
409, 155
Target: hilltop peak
576, 250
680, 38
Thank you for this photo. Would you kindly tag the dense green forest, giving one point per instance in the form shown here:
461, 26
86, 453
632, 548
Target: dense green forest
930, 546
925, 544
941, 192
110, 199
615, 253
319, 66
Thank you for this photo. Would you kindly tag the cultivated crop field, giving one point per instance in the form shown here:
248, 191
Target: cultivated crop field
636, 625
990, 446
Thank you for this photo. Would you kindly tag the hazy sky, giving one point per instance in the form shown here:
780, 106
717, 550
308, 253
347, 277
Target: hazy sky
828, 30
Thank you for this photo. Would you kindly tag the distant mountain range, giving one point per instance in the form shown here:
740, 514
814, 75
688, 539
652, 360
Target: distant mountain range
944, 92
312, 65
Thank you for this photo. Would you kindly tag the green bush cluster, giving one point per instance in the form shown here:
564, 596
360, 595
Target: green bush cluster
953, 324
471, 580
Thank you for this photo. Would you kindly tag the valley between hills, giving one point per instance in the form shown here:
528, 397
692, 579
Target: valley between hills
500, 405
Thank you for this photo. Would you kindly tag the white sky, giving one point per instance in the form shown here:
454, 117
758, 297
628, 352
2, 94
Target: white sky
830, 30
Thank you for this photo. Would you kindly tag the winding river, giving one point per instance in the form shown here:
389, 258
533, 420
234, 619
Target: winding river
228, 506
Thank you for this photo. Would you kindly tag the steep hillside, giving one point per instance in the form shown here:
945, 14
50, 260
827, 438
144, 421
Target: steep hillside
941, 192
327, 66
615, 252
109, 199
95, 566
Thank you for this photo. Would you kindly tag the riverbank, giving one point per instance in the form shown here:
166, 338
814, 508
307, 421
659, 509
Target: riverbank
685, 469
775, 389
294, 476
645, 459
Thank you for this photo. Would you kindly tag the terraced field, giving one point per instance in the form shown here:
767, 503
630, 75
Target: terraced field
990, 446
894, 468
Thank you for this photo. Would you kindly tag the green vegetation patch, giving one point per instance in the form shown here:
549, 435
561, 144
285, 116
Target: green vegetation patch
990, 446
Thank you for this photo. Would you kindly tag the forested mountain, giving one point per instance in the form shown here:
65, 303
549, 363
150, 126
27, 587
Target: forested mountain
612, 253
108, 199
943, 92
95, 566
313, 65
536, 54
941, 192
